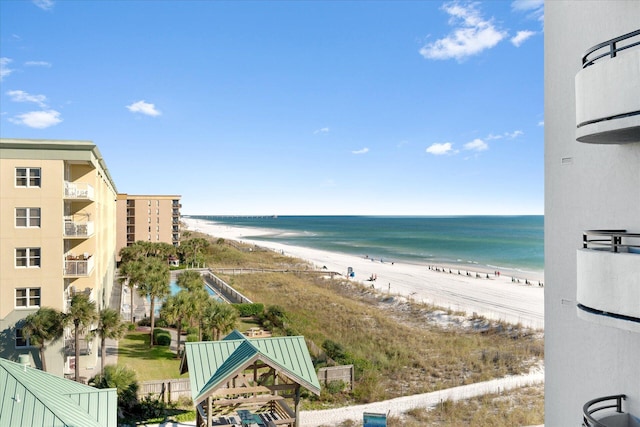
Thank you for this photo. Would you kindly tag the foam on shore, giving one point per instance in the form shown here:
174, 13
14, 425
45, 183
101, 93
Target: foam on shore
507, 297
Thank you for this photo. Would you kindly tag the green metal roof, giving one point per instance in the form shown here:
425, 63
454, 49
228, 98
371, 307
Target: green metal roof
30, 397
211, 363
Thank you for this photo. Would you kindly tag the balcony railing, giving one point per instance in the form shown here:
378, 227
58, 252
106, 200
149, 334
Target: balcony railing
78, 229
78, 190
611, 240
78, 266
607, 92
608, 402
611, 48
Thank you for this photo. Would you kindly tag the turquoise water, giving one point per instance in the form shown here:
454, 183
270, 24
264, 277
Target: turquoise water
504, 242
174, 289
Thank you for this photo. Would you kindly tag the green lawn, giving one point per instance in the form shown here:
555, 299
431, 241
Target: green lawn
134, 353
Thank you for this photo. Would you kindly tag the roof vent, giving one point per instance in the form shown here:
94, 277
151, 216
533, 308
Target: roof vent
24, 360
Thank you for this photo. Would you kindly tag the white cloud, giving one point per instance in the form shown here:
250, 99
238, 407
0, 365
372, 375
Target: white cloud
476, 145
541, 123
321, 130
145, 108
514, 134
22, 96
361, 151
535, 8
38, 64
521, 36
44, 4
439, 149
473, 35
38, 119
4, 68
491, 137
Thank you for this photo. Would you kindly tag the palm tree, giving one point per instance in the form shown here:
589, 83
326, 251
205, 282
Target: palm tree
190, 280
194, 249
124, 380
82, 312
219, 317
176, 309
155, 285
109, 326
132, 268
43, 326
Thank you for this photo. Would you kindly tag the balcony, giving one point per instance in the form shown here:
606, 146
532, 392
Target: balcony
608, 278
608, 94
78, 191
78, 266
81, 230
608, 418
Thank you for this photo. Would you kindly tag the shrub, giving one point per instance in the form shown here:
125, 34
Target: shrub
131, 327
334, 350
151, 408
192, 338
191, 330
161, 337
161, 323
249, 310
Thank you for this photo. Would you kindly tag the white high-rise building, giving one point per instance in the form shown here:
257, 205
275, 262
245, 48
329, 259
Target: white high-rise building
592, 212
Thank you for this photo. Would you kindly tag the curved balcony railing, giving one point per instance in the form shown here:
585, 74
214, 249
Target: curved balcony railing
611, 240
612, 48
590, 408
607, 94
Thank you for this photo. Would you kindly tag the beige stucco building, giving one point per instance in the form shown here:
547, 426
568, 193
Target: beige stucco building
57, 236
150, 218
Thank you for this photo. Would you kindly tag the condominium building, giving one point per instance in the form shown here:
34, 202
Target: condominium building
150, 218
57, 237
592, 213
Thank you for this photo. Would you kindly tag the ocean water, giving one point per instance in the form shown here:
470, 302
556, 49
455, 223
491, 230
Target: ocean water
497, 242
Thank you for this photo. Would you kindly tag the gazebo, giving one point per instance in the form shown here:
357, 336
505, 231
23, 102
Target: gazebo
239, 381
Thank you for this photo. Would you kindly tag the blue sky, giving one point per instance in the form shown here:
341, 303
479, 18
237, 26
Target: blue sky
284, 107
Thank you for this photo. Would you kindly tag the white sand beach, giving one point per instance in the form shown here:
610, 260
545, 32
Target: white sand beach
495, 297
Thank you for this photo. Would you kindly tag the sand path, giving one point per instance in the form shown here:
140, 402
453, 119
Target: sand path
495, 297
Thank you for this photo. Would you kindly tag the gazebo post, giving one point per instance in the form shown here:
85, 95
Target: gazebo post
297, 405
209, 412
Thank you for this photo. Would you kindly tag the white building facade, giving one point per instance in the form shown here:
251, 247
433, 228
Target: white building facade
592, 212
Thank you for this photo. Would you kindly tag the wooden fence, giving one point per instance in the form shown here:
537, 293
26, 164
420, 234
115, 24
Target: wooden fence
167, 390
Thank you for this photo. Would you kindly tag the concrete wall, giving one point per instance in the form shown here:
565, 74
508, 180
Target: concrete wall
587, 186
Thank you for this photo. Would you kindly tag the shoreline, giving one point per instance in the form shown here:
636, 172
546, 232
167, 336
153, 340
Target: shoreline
496, 297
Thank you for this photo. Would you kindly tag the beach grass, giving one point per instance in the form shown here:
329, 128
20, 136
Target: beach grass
395, 349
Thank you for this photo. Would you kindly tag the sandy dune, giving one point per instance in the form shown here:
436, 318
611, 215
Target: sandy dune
495, 297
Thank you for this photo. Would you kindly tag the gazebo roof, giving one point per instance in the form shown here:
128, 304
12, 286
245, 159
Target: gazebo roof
211, 363
32, 397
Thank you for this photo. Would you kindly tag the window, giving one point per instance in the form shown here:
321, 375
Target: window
27, 297
27, 257
27, 217
27, 177
21, 340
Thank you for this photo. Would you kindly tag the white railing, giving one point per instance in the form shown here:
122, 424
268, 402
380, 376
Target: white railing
78, 229
80, 266
78, 190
